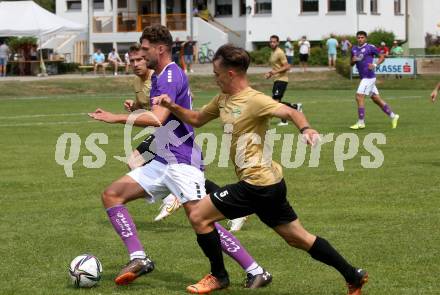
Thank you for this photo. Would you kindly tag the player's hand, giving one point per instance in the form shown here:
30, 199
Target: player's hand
128, 105
162, 100
104, 116
372, 66
311, 136
434, 95
268, 75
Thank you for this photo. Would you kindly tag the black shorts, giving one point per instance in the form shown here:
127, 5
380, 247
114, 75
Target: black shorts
303, 57
269, 202
147, 149
279, 87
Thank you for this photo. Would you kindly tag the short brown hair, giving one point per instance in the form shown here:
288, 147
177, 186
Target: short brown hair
134, 48
157, 34
231, 56
275, 37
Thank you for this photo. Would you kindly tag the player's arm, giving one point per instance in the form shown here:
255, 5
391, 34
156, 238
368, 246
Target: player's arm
435, 92
284, 68
155, 118
353, 59
193, 118
298, 118
379, 61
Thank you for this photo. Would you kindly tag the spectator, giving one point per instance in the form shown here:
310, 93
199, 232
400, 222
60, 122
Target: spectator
98, 60
114, 60
396, 51
127, 62
304, 51
4, 57
175, 51
435, 92
288, 49
383, 49
345, 46
205, 14
332, 45
188, 52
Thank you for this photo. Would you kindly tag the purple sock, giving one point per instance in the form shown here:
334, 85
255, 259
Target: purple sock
231, 246
125, 228
361, 113
387, 110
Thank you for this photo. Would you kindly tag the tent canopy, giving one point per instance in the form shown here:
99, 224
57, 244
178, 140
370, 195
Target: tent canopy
26, 18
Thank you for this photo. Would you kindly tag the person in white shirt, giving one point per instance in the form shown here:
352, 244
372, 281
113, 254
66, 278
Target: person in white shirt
114, 60
127, 62
304, 52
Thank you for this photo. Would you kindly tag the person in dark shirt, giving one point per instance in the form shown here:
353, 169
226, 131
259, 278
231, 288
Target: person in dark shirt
188, 54
175, 51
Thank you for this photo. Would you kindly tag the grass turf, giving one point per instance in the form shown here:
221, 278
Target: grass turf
385, 219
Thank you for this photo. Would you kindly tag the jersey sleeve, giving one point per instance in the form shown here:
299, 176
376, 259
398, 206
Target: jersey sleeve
282, 57
263, 105
211, 110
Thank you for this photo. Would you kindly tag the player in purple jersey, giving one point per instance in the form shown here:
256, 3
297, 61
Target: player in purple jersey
363, 56
175, 168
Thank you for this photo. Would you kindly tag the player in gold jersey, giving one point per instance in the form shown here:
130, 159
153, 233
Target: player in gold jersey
261, 188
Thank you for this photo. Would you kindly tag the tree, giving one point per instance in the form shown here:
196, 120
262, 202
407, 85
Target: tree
47, 4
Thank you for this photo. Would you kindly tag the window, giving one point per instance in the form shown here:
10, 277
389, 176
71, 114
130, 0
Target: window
98, 4
242, 7
73, 5
309, 5
360, 6
263, 6
223, 7
397, 7
373, 7
122, 3
336, 5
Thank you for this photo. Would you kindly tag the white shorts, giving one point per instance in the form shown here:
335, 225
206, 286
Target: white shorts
184, 181
367, 87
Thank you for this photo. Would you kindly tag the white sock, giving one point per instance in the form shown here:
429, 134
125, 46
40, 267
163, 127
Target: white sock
361, 121
137, 254
254, 269
392, 115
168, 199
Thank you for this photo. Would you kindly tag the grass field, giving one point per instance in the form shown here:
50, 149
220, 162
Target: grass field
385, 220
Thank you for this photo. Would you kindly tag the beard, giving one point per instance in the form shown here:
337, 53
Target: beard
152, 64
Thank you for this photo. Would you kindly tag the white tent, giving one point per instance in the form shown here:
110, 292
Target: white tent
26, 18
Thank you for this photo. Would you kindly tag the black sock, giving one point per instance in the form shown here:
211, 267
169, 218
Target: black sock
210, 186
322, 251
210, 244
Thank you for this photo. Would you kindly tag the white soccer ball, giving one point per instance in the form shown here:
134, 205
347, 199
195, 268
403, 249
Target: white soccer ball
85, 271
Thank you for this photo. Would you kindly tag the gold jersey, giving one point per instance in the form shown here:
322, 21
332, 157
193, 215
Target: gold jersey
142, 92
277, 60
248, 114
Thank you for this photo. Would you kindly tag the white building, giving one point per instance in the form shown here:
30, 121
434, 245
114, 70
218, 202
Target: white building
118, 23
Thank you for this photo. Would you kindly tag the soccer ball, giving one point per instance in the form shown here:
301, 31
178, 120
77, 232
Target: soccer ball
85, 271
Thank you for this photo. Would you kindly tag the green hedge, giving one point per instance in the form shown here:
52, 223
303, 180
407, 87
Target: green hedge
65, 67
260, 56
318, 56
343, 67
433, 50
318, 52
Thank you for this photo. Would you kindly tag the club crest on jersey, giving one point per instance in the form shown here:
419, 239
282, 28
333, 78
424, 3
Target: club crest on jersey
236, 112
